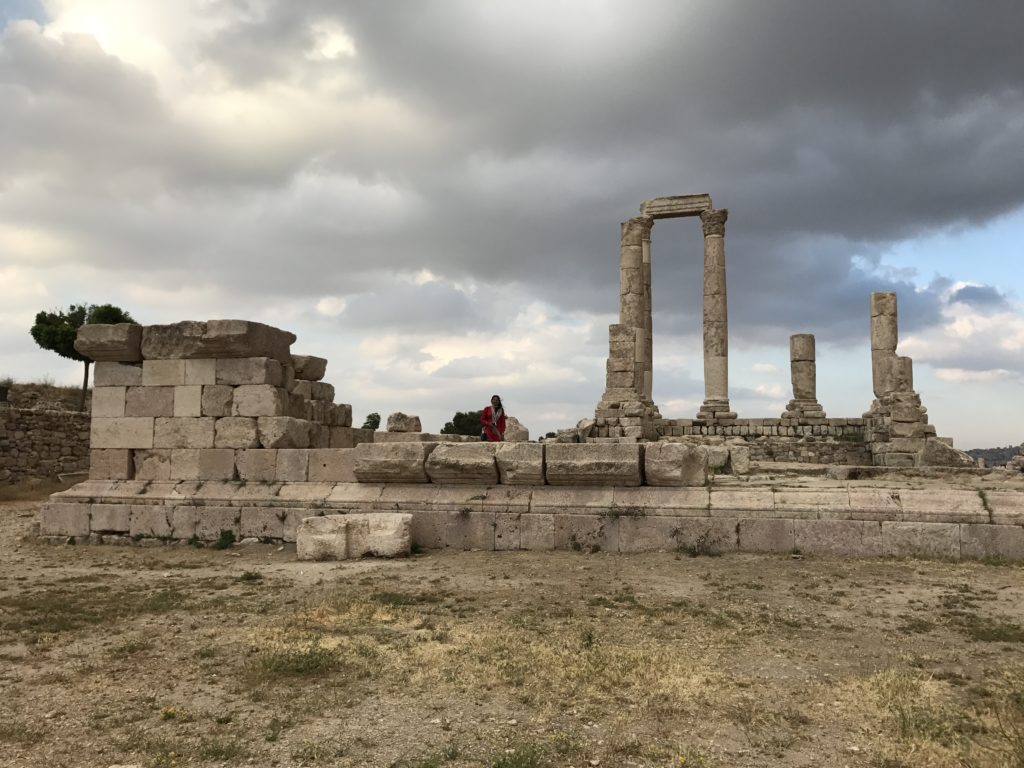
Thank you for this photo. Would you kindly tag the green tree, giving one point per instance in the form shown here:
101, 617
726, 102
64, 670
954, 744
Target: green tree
372, 421
463, 423
56, 331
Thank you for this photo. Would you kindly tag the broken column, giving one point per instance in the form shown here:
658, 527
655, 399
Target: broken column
716, 325
884, 337
803, 373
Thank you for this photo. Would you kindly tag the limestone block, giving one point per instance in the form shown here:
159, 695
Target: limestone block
676, 205
64, 519
938, 454
319, 436
249, 370
349, 437
884, 333
804, 377
641, 533
463, 463
262, 522
111, 464
188, 401
537, 532
292, 465
429, 528
149, 401
202, 464
282, 432
121, 433
216, 339
883, 303
108, 402
506, 531
718, 457
163, 373
574, 500
520, 463
739, 459
150, 521
810, 503
211, 521
515, 432
201, 372
184, 433
302, 388
310, 495
586, 533
901, 374
801, 346
392, 462
726, 502
663, 501
321, 390
766, 535
339, 537
256, 464
856, 538
342, 416
153, 464
450, 498
400, 422
592, 464
332, 465
504, 499
217, 400
1005, 507
470, 530
119, 342
874, 504
309, 368
110, 518
116, 375
183, 521
675, 464
236, 432
259, 400
357, 497
942, 506
933, 541
985, 540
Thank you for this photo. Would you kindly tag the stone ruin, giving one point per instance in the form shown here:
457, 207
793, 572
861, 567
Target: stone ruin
202, 431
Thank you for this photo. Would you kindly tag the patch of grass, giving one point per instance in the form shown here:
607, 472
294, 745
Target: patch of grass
915, 625
17, 732
251, 576
320, 751
706, 544
65, 609
525, 756
215, 749
226, 540
304, 659
398, 599
131, 647
992, 631
615, 511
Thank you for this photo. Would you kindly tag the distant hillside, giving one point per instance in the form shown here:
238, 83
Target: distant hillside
994, 457
45, 396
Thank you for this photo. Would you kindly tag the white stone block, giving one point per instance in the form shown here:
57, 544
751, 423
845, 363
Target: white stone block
236, 432
332, 465
201, 372
256, 464
167, 373
108, 402
149, 401
259, 400
392, 462
520, 463
282, 432
249, 370
292, 465
107, 374
188, 401
152, 464
183, 433
463, 463
202, 464
121, 433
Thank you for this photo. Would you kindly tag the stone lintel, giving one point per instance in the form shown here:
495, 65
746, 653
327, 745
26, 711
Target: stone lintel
676, 206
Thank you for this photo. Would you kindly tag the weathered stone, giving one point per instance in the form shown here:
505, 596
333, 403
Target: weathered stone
400, 422
392, 462
249, 370
282, 432
120, 342
111, 464
201, 372
183, 433
461, 463
64, 519
332, 465
321, 390
938, 454
150, 521
675, 205
110, 518
149, 401
108, 402
236, 432
739, 459
339, 537
188, 401
163, 373
259, 400
927, 540
121, 433
857, 538
116, 375
153, 465
675, 464
256, 464
309, 368
217, 400
292, 465
202, 464
303, 389
349, 437
764, 535
520, 463
342, 416
592, 464
515, 432
216, 339
212, 522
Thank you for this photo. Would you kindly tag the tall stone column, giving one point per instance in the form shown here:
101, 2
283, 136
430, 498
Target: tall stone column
804, 375
647, 390
716, 323
884, 337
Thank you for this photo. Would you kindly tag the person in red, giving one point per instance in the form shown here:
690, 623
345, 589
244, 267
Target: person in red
492, 419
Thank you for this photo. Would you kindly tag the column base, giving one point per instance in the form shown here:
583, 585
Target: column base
803, 409
715, 409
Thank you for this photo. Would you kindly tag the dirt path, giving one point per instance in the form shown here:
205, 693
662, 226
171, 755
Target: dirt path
180, 656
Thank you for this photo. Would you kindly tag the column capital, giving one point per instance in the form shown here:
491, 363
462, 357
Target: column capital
637, 229
714, 221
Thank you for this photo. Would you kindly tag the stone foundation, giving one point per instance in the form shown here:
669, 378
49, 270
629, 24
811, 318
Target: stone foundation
36, 444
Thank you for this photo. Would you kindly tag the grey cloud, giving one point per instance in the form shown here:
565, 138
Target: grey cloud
980, 297
416, 309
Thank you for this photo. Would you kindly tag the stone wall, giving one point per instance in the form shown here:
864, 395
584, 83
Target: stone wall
42, 444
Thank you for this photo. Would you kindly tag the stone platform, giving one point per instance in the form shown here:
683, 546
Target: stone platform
938, 519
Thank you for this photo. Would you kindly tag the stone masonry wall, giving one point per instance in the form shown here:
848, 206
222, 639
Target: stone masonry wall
42, 444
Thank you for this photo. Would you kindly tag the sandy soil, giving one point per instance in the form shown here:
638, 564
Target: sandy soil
180, 656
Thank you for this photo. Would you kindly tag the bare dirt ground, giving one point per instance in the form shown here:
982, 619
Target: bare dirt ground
181, 656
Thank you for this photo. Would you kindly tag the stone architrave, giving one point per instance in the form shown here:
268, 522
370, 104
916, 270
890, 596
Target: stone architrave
119, 342
216, 339
716, 324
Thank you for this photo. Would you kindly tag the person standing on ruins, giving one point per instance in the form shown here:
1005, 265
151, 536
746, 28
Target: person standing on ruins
492, 419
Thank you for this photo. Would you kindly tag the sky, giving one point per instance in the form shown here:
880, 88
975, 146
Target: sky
429, 194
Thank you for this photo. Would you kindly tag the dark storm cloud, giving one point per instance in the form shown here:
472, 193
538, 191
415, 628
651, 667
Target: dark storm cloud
415, 309
980, 297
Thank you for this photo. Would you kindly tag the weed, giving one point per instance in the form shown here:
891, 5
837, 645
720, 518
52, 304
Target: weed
705, 544
225, 541
615, 512
195, 541
250, 576
397, 599
984, 503
990, 631
526, 756
303, 660
318, 751
180, 714
276, 726
215, 749
131, 647
17, 732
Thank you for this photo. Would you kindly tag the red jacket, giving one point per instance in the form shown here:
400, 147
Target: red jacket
488, 430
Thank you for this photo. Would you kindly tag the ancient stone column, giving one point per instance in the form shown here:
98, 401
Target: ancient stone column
884, 337
803, 374
634, 294
716, 328
647, 368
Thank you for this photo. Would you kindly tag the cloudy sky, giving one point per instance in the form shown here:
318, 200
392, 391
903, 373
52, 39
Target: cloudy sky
429, 193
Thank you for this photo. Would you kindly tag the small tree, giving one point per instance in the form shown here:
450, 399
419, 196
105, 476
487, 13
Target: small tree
372, 421
56, 331
463, 423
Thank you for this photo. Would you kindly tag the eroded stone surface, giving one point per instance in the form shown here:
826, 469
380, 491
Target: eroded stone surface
340, 537
216, 339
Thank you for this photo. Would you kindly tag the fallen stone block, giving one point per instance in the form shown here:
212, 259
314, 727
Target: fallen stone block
463, 463
593, 464
520, 463
216, 339
392, 462
340, 537
675, 464
309, 368
400, 422
120, 342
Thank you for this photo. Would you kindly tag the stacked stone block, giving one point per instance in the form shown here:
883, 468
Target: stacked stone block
804, 407
42, 443
194, 401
